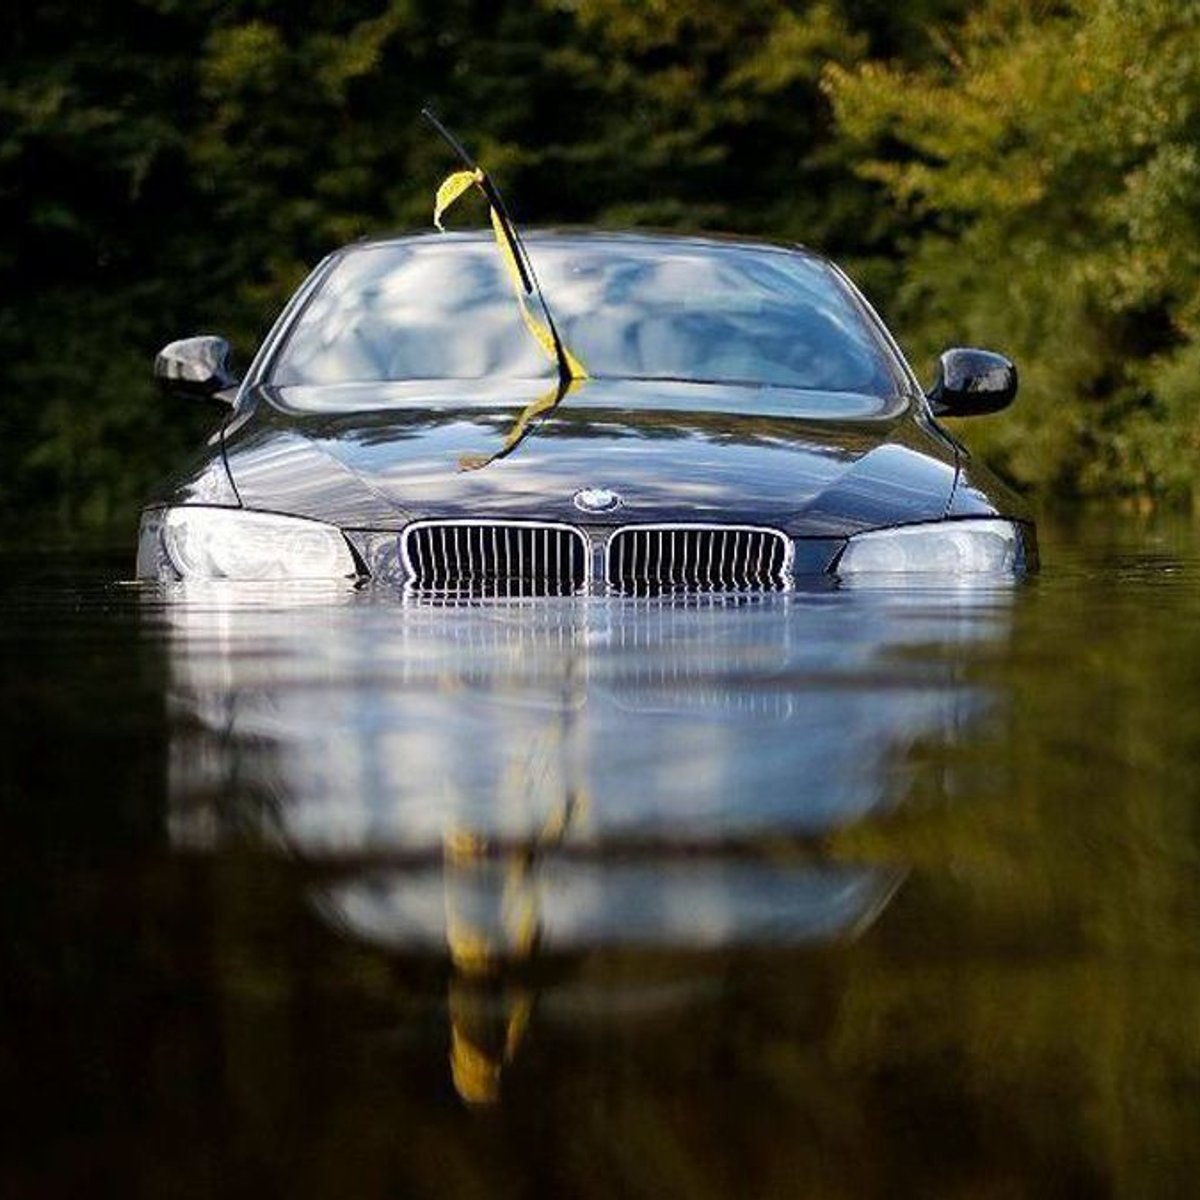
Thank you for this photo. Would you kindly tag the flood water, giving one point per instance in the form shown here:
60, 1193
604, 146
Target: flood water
323, 892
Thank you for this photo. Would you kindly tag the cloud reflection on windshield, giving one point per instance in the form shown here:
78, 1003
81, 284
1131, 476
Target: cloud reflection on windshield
441, 308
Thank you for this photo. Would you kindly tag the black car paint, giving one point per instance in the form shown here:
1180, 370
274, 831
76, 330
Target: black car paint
371, 458
971, 383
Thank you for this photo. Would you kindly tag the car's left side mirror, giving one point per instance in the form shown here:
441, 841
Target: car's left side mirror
197, 368
970, 382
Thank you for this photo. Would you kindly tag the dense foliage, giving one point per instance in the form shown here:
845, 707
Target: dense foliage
1049, 166
1018, 174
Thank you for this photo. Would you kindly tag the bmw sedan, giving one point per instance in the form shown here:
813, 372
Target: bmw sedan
704, 415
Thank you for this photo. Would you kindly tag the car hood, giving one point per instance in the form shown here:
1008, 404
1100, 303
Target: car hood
375, 457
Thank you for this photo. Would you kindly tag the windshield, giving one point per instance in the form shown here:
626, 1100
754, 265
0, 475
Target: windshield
443, 309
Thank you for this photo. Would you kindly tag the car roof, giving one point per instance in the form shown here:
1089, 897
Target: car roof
567, 235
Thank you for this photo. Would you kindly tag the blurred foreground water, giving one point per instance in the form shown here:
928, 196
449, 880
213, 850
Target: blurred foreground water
319, 891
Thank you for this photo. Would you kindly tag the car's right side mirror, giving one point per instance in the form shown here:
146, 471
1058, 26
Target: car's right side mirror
197, 368
970, 382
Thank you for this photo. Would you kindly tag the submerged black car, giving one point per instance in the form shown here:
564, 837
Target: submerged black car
735, 417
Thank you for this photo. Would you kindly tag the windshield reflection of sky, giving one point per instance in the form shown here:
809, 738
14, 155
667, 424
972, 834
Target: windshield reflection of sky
444, 309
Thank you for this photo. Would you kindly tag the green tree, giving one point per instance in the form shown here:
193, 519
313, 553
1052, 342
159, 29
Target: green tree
1046, 181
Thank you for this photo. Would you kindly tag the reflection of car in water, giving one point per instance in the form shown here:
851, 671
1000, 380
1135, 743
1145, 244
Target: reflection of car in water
516, 783
730, 416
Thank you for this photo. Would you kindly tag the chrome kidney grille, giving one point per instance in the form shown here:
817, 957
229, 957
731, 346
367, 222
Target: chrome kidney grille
643, 559
481, 558
496, 558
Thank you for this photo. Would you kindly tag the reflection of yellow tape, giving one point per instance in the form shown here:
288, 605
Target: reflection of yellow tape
476, 1073
476, 1061
452, 187
476, 1066
517, 1024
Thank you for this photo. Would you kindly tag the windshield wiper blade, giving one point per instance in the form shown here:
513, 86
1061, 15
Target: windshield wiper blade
569, 367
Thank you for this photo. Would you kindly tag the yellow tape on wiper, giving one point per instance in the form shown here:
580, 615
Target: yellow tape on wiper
450, 189
520, 427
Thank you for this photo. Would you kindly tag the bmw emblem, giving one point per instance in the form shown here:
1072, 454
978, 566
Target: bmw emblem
597, 500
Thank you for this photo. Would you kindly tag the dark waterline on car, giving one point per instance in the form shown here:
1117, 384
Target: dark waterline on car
316, 890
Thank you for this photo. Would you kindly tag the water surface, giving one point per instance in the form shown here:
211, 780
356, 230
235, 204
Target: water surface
325, 891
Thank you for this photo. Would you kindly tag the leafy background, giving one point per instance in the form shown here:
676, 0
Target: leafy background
1017, 174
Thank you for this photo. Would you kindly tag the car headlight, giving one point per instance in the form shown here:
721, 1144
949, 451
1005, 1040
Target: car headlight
968, 547
231, 543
